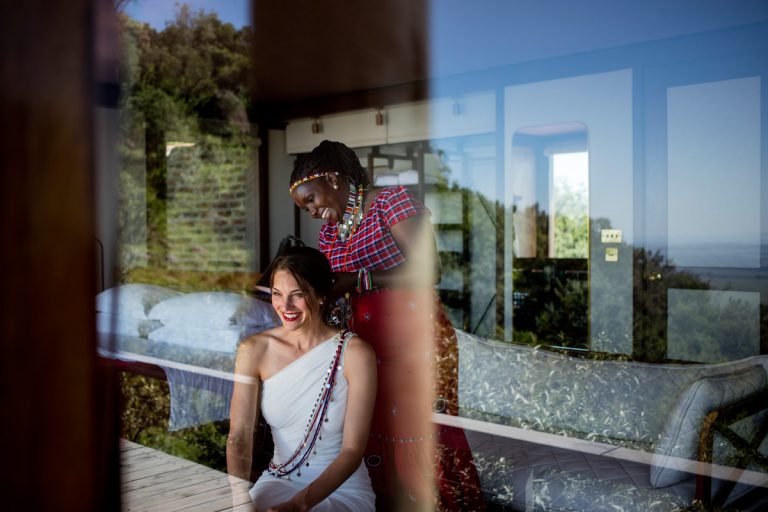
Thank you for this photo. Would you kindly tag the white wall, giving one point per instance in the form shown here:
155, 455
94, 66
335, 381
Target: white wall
280, 204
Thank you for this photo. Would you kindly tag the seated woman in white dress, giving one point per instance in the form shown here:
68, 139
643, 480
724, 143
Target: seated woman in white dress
315, 387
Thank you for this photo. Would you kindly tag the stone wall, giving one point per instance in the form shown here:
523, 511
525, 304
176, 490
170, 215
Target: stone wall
208, 207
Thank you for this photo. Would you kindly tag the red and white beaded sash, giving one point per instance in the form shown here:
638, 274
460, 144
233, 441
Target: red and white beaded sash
316, 419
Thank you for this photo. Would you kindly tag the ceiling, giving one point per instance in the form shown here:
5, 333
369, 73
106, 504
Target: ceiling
371, 52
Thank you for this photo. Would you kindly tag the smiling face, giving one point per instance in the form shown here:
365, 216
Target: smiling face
321, 200
296, 307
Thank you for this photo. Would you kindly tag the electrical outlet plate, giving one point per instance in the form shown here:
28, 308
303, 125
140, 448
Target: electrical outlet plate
611, 254
610, 236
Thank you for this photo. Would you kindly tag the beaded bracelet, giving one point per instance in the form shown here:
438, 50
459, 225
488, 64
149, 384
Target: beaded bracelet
364, 281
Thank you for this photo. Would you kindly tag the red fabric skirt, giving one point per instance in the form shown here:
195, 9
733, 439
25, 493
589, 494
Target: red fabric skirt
408, 458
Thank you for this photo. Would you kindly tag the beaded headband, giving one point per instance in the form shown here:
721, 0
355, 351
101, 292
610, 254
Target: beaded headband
306, 179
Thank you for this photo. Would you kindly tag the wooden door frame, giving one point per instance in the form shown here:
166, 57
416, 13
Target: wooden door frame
60, 427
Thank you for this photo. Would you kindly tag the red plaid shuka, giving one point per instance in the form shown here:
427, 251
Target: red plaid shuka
404, 468
372, 246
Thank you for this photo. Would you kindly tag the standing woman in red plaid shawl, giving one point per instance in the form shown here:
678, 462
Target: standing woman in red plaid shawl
382, 250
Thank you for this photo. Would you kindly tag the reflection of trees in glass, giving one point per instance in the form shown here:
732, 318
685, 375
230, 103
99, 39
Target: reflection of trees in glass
571, 230
144, 419
207, 205
473, 308
186, 149
184, 102
196, 66
711, 326
706, 321
552, 309
651, 297
550, 294
551, 303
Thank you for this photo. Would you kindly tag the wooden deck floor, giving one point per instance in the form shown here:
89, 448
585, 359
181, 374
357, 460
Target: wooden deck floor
155, 481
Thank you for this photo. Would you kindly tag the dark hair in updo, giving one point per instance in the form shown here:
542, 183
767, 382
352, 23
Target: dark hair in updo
311, 270
330, 156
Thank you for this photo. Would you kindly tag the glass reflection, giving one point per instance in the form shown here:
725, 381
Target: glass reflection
175, 307
710, 326
650, 149
550, 215
713, 144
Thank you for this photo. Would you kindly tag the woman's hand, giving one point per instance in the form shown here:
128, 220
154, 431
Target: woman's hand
296, 504
288, 506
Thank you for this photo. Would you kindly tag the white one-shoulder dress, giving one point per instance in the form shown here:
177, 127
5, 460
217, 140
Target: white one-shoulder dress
288, 401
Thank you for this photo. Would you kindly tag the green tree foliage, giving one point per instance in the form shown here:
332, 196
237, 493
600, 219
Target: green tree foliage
196, 68
187, 82
571, 222
551, 293
146, 405
551, 299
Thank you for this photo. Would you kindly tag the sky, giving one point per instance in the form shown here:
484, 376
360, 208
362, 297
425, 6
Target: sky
158, 12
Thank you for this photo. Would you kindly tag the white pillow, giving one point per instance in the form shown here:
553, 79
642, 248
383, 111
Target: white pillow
117, 324
219, 340
259, 313
132, 300
213, 310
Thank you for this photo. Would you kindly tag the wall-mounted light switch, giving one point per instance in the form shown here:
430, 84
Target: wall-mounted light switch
611, 254
610, 236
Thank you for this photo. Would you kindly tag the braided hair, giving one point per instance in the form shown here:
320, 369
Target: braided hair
331, 156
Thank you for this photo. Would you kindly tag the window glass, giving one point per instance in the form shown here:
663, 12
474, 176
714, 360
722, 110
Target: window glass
569, 216
597, 190
182, 259
550, 216
711, 326
714, 160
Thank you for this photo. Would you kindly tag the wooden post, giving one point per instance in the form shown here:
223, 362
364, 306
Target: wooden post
58, 429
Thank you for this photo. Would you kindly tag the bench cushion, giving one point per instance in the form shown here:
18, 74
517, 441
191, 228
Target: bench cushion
680, 436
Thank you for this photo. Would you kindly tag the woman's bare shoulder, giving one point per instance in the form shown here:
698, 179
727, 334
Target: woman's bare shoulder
259, 341
254, 349
358, 348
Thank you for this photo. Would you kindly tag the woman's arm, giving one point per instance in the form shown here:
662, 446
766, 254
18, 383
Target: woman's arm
416, 239
244, 408
360, 372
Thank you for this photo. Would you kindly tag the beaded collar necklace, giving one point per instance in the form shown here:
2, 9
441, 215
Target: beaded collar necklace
353, 214
312, 431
